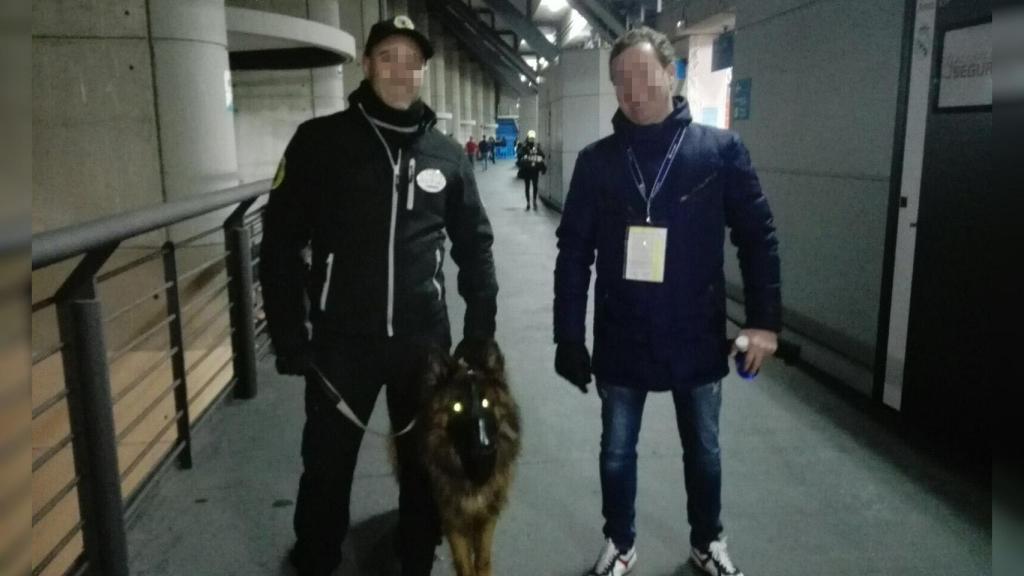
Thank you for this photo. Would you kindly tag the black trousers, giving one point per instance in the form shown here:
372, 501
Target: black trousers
527, 180
330, 444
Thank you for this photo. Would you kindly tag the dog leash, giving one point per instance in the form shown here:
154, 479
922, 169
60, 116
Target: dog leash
346, 410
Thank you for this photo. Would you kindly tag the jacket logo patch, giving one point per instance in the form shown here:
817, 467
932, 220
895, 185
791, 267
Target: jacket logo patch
279, 176
431, 180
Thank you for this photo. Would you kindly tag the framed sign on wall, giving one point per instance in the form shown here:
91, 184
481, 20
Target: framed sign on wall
965, 68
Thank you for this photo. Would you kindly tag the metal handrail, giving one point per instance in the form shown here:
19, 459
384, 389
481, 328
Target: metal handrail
56, 245
87, 361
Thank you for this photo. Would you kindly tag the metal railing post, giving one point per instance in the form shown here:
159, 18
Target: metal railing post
177, 342
243, 333
90, 410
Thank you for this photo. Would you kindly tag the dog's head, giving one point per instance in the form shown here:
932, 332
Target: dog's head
463, 403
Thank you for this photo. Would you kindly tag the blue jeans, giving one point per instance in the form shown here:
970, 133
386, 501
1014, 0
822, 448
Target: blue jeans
697, 412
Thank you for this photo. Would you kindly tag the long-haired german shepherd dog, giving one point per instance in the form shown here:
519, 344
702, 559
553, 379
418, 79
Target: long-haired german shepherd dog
471, 441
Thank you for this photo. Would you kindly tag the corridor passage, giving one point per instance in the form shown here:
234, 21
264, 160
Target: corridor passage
814, 484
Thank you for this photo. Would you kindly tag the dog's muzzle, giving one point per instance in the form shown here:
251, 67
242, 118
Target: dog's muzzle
478, 452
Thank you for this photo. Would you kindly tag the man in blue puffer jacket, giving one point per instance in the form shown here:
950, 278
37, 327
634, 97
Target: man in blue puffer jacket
653, 201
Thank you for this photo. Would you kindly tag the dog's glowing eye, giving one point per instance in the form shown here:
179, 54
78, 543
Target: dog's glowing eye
457, 407
485, 403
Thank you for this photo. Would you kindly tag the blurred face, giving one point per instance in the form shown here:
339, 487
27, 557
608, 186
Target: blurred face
395, 71
642, 85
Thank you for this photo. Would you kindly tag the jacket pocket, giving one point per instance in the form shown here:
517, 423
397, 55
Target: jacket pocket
700, 186
327, 282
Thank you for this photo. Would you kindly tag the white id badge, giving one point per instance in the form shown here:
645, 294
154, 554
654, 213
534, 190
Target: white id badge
645, 254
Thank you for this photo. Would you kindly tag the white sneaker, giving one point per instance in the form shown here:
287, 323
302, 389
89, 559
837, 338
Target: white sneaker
716, 560
611, 562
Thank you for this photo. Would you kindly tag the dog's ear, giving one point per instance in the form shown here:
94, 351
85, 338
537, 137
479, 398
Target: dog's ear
438, 368
493, 360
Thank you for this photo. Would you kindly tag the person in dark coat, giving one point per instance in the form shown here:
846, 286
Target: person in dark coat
652, 202
530, 161
484, 151
373, 192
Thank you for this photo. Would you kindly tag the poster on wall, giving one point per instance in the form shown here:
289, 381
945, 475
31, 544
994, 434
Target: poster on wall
965, 73
721, 52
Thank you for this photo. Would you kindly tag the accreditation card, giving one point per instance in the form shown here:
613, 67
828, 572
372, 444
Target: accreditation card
645, 253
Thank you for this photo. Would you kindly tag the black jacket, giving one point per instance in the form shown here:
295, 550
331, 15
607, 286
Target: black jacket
377, 233
530, 161
668, 335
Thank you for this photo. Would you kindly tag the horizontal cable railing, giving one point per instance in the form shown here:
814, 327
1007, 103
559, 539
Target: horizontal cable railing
128, 354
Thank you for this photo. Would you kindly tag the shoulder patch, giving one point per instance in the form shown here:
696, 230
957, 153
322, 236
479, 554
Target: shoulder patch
279, 175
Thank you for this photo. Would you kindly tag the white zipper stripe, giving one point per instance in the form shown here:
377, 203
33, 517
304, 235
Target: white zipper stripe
394, 214
437, 269
391, 247
327, 282
411, 194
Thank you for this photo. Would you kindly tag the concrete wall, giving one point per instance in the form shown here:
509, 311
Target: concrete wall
356, 17
576, 106
95, 146
823, 105
529, 112
467, 123
453, 87
438, 75
270, 104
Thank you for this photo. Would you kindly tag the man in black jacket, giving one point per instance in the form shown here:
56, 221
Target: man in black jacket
373, 192
530, 161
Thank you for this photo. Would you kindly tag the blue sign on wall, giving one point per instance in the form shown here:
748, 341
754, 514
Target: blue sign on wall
741, 99
508, 132
681, 69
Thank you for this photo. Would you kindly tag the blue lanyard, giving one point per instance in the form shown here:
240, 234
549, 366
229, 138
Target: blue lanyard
666, 165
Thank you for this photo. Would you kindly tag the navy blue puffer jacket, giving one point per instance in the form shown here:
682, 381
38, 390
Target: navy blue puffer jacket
672, 334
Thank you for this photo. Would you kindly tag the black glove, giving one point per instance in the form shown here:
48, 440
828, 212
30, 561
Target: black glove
296, 364
473, 350
572, 362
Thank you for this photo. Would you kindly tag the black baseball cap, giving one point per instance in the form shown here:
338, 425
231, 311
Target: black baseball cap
398, 25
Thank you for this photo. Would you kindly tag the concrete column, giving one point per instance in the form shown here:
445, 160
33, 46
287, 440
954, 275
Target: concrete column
481, 90
418, 14
328, 82
579, 101
356, 18
438, 96
466, 84
270, 104
195, 102
478, 108
453, 88
489, 103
